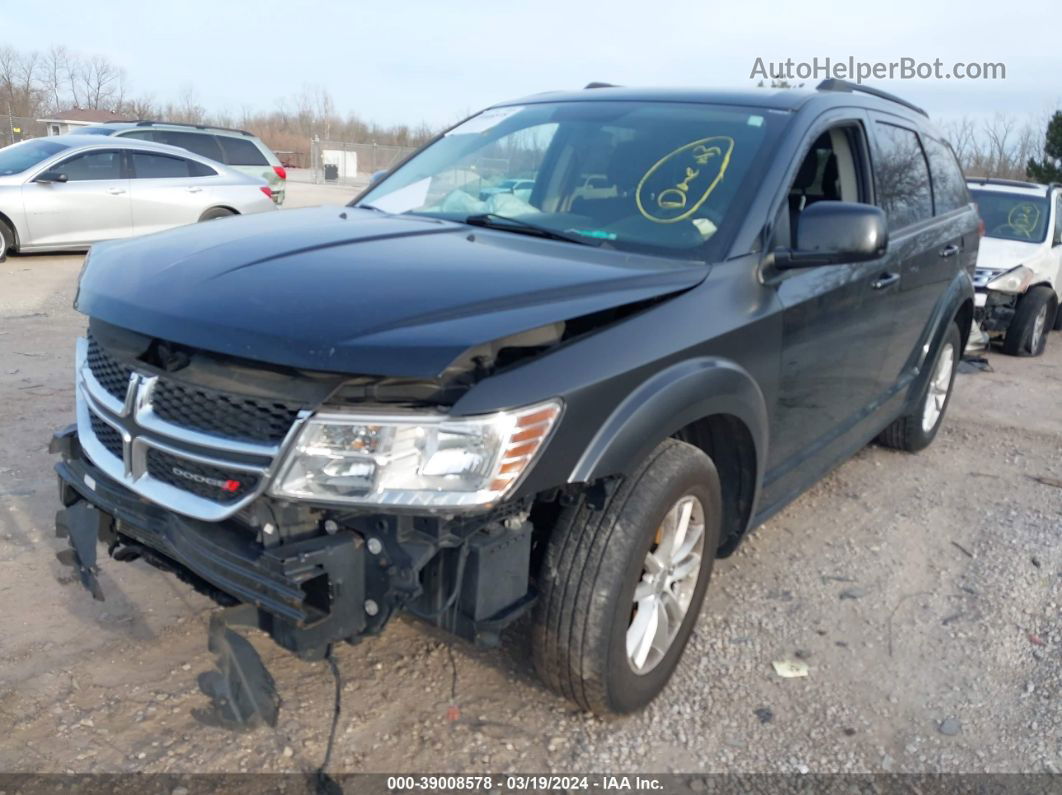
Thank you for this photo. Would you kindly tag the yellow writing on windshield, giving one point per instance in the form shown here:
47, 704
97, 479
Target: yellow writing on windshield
1023, 218
681, 181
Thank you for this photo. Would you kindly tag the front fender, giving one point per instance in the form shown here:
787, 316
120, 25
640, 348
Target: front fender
669, 401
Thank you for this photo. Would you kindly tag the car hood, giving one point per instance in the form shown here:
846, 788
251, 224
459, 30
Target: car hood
999, 254
357, 291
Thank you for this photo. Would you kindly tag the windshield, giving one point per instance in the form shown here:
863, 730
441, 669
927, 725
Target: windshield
657, 177
1012, 216
18, 157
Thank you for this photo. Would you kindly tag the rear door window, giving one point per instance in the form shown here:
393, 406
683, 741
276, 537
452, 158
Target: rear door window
92, 166
241, 152
949, 186
153, 166
901, 176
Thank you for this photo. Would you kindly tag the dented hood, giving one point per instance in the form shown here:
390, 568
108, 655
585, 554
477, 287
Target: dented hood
357, 291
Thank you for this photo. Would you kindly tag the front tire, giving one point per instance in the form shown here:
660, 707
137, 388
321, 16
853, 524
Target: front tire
917, 429
1027, 333
7, 241
621, 587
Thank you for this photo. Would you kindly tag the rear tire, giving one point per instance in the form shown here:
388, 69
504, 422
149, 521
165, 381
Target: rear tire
7, 241
586, 638
916, 430
1057, 326
215, 213
1027, 333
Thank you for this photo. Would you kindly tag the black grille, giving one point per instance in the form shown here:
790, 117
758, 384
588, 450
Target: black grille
212, 483
223, 414
112, 374
107, 436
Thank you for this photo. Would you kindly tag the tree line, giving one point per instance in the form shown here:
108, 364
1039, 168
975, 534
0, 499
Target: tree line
34, 84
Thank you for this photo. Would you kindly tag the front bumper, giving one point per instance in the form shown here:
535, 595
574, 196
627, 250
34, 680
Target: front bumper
993, 311
308, 593
322, 577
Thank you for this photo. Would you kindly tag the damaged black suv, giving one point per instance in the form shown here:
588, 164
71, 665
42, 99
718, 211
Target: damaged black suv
555, 364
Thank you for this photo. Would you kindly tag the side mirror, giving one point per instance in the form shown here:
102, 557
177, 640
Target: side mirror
377, 176
51, 176
832, 233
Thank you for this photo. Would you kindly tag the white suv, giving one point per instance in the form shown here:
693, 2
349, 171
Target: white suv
1019, 265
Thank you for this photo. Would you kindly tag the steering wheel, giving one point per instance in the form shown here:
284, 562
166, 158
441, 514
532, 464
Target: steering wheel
1019, 231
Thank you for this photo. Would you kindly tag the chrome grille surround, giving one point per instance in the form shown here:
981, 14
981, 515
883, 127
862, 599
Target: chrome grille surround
141, 429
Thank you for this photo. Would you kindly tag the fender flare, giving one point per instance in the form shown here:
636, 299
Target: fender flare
959, 292
669, 401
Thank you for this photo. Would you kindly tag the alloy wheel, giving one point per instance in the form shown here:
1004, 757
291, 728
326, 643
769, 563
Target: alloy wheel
1038, 330
668, 581
939, 384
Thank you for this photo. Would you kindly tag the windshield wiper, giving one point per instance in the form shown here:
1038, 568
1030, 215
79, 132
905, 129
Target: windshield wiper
509, 224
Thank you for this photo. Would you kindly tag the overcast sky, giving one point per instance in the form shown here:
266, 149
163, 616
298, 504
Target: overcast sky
418, 60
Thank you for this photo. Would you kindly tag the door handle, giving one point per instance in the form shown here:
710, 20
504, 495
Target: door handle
116, 191
949, 250
194, 189
884, 280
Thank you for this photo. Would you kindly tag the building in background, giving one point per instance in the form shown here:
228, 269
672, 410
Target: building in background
69, 120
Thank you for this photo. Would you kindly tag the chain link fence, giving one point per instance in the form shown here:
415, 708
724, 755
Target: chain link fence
18, 128
352, 163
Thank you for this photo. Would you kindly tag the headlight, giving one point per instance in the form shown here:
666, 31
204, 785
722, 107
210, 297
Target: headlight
415, 460
1015, 280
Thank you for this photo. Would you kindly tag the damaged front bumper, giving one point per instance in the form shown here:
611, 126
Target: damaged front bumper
322, 578
993, 311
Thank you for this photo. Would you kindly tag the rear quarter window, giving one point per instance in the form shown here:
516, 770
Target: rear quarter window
202, 144
241, 152
901, 176
949, 186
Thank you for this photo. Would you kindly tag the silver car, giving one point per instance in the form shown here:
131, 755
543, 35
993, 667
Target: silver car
70, 191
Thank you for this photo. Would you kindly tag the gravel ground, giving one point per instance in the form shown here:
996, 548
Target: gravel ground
922, 592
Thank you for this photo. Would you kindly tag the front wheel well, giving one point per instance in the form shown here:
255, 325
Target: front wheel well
727, 441
14, 231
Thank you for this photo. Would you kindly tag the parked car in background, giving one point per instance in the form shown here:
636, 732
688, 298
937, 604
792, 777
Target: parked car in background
238, 149
521, 188
1019, 266
70, 191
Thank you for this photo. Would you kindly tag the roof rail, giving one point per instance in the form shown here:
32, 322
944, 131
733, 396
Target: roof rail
832, 84
151, 123
1009, 183
596, 84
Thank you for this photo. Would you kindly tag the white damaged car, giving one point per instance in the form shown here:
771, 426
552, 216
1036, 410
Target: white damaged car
1019, 265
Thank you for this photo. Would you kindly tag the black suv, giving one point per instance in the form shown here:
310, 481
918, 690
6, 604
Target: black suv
555, 363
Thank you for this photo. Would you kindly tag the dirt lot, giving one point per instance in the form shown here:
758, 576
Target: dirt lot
922, 591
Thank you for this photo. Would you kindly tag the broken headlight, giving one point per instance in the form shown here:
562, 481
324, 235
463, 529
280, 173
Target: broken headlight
1016, 280
414, 460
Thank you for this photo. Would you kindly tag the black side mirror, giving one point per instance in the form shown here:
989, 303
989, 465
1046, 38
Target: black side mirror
377, 176
832, 233
52, 176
